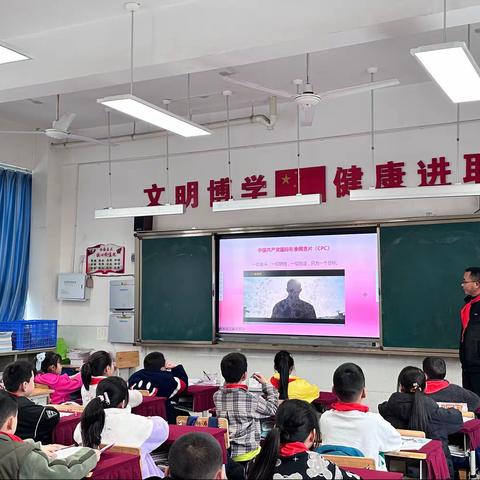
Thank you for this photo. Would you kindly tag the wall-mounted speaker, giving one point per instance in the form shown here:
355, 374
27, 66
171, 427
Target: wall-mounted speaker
143, 224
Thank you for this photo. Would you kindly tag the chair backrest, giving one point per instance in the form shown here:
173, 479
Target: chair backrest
203, 422
468, 414
124, 449
462, 407
145, 393
355, 462
129, 359
411, 433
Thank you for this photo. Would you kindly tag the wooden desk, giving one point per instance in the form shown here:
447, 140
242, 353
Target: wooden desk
41, 396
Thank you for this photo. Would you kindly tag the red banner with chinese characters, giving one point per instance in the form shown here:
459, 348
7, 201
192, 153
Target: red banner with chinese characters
105, 258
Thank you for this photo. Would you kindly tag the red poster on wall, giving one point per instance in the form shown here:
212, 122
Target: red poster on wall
105, 258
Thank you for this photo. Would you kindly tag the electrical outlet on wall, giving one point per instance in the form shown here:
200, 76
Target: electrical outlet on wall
102, 333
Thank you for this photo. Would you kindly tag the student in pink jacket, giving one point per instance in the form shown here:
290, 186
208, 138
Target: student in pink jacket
50, 374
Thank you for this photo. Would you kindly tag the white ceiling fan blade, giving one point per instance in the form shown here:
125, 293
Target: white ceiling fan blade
364, 87
30, 132
256, 86
306, 116
64, 122
72, 136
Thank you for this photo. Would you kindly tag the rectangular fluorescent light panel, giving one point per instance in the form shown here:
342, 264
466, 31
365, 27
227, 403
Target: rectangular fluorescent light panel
267, 202
436, 191
150, 113
7, 55
140, 211
452, 66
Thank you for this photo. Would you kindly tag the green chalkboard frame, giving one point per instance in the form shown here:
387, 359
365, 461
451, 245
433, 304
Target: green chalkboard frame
201, 250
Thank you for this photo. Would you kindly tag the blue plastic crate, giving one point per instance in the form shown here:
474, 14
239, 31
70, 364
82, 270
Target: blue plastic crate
31, 334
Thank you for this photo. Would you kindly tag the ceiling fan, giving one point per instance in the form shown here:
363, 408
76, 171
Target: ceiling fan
308, 99
60, 129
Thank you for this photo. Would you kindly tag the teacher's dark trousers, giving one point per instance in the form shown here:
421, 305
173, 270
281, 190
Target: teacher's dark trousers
471, 381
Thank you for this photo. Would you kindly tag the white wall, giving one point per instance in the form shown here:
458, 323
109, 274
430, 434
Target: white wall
67, 213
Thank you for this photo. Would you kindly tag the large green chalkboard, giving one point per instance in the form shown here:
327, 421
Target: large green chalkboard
421, 270
176, 289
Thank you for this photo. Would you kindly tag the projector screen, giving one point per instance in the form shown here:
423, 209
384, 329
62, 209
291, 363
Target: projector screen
307, 285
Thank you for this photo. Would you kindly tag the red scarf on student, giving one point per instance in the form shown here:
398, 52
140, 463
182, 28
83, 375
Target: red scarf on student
276, 381
236, 385
96, 380
349, 407
289, 449
13, 437
465, 313
434, 386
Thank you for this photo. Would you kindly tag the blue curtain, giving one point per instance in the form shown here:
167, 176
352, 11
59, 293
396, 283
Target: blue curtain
15, 210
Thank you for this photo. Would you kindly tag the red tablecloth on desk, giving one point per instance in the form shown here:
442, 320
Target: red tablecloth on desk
472, 430
202, 396
176, 431
326, 399
63, 432
366, 474
151, 407
436, 462
117, 466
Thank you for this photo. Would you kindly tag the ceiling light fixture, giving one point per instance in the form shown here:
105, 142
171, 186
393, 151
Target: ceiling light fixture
435, 191
140, 109
8, 55
452, 66
111, 212
265, 202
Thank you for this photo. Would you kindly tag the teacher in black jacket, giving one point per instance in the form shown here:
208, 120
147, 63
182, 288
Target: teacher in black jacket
470, 336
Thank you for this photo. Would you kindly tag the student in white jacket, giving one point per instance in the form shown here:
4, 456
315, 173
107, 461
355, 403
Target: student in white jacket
108, 419
350, 424
100, 365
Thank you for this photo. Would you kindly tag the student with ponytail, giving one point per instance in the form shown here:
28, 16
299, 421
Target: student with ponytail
287, 450
409, 408
288, 385
49, 373
100, 365
108, 419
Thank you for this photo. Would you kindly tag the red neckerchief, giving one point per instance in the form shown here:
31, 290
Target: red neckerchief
13, 437
276, 381
289, 449
236, 385
96, 380
349, 407
434, 386
465, 313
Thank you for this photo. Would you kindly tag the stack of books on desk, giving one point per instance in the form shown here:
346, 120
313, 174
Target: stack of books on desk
5, 342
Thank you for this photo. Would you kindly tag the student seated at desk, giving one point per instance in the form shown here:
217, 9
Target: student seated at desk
49, 373
350, 424
108, 419
28, 459
99, 366
443, 391
243, 409
409, 408
288, 385
195, 456
34, 421
161, 379
287, 450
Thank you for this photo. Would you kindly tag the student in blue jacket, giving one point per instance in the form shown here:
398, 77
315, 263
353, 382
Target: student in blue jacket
161, 379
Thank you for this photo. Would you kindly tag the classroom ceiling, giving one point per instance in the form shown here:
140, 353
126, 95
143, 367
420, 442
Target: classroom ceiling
81, 49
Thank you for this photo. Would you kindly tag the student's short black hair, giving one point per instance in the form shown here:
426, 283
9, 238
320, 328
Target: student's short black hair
233, 366
16, 373
435, 368
8, 406
474, 273
348, 381
195, 456
154, 361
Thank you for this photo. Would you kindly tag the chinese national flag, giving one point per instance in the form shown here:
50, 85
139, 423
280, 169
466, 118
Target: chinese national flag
312, 180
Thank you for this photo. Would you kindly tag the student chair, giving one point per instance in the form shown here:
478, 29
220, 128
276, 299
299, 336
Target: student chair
355, 462
214, 422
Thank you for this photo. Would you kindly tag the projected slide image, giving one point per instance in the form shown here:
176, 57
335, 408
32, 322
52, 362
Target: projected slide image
294, 296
